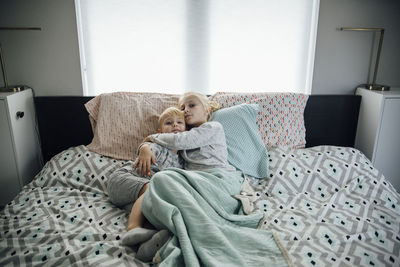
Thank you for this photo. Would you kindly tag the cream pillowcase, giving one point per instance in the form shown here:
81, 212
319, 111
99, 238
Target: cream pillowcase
120, 121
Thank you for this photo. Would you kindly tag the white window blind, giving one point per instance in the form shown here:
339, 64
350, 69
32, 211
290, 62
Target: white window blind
173, 46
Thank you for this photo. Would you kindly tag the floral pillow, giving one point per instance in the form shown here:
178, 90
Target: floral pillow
281, 117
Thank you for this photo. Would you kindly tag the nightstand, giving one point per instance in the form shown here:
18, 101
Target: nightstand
20, 154
378, 131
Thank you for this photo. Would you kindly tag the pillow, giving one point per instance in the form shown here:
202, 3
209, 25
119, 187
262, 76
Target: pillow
120, 121
281, 118
246, 151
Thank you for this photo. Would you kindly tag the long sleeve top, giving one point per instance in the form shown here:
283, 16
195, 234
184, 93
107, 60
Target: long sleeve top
202, 147
164, 157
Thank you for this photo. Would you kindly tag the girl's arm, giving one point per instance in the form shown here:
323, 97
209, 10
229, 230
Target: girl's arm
206, 134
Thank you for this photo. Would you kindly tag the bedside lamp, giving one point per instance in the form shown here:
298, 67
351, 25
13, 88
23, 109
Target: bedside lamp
373, 85
15, 88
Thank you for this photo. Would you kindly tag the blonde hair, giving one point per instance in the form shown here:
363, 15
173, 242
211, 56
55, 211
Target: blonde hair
169, 112
207, 103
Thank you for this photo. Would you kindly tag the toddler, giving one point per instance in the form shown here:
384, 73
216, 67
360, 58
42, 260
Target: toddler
126, 185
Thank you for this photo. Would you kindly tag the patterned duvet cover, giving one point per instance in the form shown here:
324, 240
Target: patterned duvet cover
327, 205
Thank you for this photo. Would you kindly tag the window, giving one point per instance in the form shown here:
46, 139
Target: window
173, 46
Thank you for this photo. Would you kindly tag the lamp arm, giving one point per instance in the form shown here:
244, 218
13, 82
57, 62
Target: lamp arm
378, 54
361, 29
372, 86
3, 68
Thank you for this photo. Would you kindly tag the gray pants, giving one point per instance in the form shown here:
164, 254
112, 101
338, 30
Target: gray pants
124, 186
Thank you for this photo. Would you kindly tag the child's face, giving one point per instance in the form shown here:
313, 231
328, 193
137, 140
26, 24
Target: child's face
173, 124
195, 113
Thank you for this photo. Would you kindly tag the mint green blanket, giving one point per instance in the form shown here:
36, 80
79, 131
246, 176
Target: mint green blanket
198, 208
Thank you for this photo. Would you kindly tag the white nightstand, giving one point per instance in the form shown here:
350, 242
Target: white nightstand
378, 131
20, 154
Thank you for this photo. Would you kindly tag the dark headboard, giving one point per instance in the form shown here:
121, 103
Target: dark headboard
64, 122
331, 120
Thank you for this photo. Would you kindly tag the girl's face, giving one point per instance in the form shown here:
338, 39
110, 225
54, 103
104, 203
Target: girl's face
195, 113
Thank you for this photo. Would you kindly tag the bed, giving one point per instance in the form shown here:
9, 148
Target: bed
325, 204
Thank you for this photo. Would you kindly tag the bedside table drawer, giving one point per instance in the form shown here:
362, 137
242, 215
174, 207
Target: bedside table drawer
9, 182
20, 152
22, 121
378, 131
387, 152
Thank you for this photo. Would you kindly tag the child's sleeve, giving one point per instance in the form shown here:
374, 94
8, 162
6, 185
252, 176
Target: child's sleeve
142, 144
207, 134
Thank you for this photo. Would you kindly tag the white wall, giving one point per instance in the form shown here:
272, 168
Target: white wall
48, 60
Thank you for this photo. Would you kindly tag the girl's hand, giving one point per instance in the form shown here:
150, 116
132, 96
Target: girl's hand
144, 160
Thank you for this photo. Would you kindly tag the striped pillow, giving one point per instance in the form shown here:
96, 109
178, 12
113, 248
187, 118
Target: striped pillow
120, 121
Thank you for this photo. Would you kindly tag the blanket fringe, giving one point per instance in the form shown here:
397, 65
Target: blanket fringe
283, 250
157, 258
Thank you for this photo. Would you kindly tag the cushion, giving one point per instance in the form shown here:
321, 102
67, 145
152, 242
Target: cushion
246, 150
281, 117
120, 121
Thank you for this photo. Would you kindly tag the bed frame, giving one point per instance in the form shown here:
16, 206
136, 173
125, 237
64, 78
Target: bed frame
63, 121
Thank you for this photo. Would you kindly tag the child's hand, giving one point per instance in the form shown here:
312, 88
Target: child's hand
144, 160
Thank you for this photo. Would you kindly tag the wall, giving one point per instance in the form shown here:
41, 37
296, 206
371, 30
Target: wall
342, 58
48, 60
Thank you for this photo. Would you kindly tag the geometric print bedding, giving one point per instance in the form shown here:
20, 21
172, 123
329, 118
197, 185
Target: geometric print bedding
64, 218
329, 207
